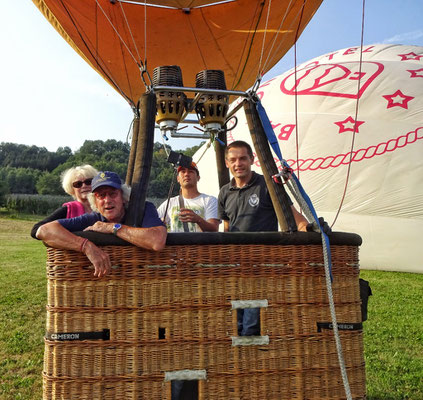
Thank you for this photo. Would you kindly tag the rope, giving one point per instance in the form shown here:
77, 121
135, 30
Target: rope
175, 173
295, 189
125, 68
276, 35
305, 203
96, 36
130, 130
259, 74
204, 152
118, 35
355, 117
284, 38
244, 47
129, 28
297, 139
197, 43
249, 49
297, 153
164, 146
145, 32
206, 23
95, 56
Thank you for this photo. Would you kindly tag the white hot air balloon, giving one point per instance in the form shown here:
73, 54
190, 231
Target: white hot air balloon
384, 193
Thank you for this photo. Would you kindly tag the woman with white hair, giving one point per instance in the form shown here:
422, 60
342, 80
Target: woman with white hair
76, 182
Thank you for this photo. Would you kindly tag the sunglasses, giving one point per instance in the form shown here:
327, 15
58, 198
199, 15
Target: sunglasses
102, 195
78, 184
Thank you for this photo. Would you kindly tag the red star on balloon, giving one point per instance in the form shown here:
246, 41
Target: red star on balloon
347, 125
414, 73
398, 99
410, 56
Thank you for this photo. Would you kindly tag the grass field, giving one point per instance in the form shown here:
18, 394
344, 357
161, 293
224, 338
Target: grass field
393, 334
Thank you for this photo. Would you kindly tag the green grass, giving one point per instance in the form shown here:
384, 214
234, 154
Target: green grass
393, 334
22, 311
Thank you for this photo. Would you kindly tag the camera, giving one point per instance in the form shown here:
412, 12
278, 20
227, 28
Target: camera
179, 159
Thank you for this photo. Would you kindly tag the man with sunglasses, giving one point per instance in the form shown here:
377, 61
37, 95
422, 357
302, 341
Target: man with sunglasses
108, 199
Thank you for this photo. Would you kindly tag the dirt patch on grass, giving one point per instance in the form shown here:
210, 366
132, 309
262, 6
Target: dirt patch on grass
13, 228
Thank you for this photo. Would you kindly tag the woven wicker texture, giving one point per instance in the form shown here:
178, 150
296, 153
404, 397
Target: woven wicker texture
171, 311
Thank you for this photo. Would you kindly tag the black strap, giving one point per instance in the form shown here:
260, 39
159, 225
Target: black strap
175, 173
181, 206
71, 336
342, 326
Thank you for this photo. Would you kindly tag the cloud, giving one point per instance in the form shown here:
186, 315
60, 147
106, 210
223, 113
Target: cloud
404, 38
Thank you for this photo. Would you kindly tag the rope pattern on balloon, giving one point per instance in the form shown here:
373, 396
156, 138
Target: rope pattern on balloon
313, 164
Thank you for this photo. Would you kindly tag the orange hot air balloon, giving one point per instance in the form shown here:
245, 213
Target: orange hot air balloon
240, 37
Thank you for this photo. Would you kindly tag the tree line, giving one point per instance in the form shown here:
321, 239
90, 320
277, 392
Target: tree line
35, 170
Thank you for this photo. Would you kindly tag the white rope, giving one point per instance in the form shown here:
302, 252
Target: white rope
277, 34
128, 135
130, 31
117, 33
145, 30
204, 152
281, 42
293, 187
360, 63
264, 37
164, 146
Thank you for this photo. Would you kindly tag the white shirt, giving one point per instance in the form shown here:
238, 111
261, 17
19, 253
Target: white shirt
203, 205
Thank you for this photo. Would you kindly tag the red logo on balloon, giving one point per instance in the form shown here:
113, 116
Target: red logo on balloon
319, 79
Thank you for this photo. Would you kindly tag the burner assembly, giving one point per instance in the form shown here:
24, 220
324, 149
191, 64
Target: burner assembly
210, 102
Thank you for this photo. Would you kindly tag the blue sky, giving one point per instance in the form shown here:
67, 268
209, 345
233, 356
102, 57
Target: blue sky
50, 97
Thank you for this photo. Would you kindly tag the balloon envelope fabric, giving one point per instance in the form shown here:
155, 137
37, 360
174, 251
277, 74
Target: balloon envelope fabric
384, 194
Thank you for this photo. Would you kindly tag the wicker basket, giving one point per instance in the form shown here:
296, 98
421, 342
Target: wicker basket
172, 311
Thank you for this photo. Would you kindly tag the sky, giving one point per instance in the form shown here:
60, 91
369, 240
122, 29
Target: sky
51, 98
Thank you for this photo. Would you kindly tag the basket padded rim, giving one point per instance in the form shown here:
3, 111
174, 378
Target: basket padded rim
204, 238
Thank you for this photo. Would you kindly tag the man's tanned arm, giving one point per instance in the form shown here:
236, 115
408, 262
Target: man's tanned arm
153, 238
55, 235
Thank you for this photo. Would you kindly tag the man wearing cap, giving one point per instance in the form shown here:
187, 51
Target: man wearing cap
191, 211
108, 199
